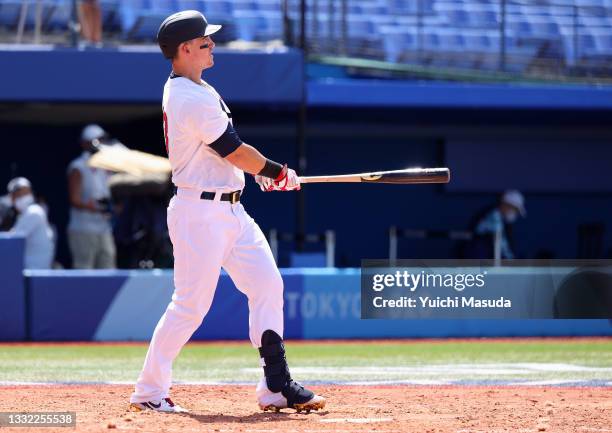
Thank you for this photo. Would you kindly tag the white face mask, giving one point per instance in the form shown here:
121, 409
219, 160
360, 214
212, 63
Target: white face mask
22, 203
510, 216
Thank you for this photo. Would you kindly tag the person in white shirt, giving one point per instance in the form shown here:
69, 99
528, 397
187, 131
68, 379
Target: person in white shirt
32, 224
90, 235
210, 228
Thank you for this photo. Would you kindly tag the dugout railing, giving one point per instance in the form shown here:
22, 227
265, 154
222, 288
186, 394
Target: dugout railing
328, 238
396, 233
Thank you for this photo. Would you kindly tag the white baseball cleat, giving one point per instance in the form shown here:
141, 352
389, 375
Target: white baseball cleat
299, 398
164, 405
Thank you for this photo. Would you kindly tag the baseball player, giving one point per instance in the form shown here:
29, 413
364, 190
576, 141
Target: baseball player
209, 227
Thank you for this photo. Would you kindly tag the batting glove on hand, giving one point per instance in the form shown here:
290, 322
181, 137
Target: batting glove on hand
289, 182
265, 183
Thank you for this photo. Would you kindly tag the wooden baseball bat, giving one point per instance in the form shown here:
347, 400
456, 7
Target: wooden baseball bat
406, 176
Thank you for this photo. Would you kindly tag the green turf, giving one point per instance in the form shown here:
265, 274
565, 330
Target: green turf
338, 361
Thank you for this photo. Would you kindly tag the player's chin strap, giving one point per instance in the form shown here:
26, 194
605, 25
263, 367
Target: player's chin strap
276, 370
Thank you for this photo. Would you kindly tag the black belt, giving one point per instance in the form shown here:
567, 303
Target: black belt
232, 197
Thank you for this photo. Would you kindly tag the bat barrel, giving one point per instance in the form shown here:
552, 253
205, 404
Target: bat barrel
411, 176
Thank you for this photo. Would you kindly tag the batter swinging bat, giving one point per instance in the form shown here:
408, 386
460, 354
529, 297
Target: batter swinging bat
407, 176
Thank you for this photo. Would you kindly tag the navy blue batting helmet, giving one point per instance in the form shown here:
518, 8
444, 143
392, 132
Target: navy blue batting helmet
181, 27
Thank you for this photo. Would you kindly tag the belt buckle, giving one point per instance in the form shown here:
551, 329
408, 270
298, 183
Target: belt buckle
234, 197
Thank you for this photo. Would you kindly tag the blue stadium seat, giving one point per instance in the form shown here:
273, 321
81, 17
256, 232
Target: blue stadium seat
457, 17
269, 5
140, 19
483, 19
409, 6
397, 40
10, 11
59, 17
195, 5
110, 14
368, 9
520, 27
163, 5
603, 42
258, 26
452, 41
360, 27
218, 9
545, 29
245, 5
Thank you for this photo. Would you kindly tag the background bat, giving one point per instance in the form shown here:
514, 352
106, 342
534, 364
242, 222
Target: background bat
406, 176
121, 159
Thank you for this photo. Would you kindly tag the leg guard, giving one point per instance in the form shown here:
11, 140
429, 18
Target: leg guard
276, 370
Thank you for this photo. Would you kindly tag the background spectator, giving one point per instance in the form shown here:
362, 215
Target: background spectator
89, 231
90, 17
32, 223
495, 221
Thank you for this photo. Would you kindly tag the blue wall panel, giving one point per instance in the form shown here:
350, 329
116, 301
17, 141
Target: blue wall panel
12, 292
228, 318
319, 303
69, 305
330, 308
339, 92
138, 75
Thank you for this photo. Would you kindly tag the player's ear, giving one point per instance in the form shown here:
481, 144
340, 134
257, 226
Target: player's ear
184, 47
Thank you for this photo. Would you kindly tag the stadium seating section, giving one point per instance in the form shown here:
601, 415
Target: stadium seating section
451, 33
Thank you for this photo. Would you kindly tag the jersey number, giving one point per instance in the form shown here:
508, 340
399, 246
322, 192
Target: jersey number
166, 132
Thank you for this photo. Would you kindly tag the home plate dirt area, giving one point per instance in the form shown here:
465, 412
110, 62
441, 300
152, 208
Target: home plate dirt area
380, 409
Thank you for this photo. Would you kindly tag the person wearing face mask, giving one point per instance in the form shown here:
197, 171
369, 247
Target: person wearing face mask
32, 224
500, 220
90, 235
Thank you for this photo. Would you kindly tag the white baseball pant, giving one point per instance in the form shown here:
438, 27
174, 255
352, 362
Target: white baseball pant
208, 235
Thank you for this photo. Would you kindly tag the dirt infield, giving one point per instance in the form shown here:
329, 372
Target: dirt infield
350, 409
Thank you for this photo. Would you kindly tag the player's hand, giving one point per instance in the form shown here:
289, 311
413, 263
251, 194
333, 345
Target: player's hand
265, 183
289, 182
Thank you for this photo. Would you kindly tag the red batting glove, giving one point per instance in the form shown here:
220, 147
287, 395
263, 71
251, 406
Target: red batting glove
287, 180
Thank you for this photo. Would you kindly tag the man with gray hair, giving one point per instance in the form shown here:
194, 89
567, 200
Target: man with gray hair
32, 224
90, 235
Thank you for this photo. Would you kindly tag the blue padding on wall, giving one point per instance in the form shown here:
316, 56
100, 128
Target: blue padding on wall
228, 318
69, 305
331, 308
319, 303
12, 292
126, 305
347, 92
137, 75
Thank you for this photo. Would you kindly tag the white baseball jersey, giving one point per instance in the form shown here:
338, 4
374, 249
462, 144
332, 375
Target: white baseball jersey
195, 116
